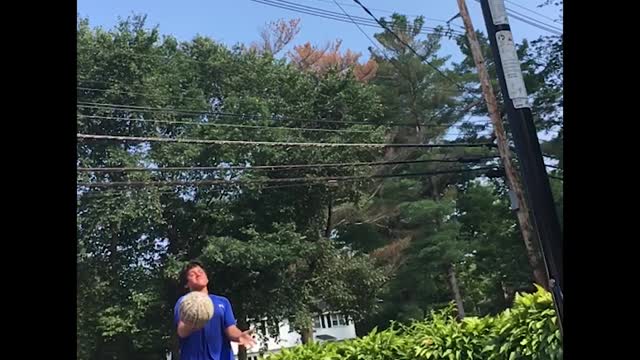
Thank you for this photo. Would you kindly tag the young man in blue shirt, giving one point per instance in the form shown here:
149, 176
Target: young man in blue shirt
212, 342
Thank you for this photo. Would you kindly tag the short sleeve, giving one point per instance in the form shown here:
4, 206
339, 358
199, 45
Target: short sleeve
229, 317
176, 312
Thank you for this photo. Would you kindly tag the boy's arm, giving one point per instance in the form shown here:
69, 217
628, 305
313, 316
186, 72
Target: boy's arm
231, 330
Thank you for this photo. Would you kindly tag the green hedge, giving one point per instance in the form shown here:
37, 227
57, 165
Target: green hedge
526, 331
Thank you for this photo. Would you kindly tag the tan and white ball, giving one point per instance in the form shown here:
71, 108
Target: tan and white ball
196, 309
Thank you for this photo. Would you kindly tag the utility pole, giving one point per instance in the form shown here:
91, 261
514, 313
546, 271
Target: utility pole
513, 180
534, 173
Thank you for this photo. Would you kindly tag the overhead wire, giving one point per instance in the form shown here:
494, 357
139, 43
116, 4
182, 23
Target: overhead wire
282, 166
273, 143
443, 20
272, 180
533, 11
529, 18
260, 117
225, 125
213, 113
447, 22
122, 191
362, 31
119, 192
138, 108
264, 127
383, 10
331, 15
533, 22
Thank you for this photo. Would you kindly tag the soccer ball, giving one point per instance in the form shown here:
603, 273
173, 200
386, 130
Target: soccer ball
196, 309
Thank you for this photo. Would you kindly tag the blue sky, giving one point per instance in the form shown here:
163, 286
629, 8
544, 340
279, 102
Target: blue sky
234, 21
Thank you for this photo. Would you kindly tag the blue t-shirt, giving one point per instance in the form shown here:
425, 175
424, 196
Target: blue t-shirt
210, 342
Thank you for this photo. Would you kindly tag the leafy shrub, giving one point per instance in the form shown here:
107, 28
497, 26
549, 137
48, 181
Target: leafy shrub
526, 331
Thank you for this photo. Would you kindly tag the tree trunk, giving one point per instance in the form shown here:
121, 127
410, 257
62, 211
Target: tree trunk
455, 289
242, 353
243, 326
507, 293
307, 335
175, 347
327, 231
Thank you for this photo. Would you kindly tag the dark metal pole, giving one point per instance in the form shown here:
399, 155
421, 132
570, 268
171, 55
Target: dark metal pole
525, 137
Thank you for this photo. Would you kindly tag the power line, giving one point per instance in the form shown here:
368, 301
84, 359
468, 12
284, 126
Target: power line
91, 89
533, 22
281, 167
385, 11
114, 83
550, 26
213, 124
319, 12
331, 15
445, 21
241, 126
269, 143
528, 19
325, 11
309, 10
361, 30
218, 113
178, 97
257, 127
250, 117
224, 113
116, 191
276, 180
120, 192
266, 127
95, 105
422, 58
235, 115
531, 11
215, 113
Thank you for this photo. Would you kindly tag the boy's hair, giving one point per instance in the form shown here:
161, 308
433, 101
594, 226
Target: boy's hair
190, 265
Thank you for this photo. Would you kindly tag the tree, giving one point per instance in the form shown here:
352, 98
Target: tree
321, 60
492, 267
118, 290
412, 90
276, 35
133, 241
406, 223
